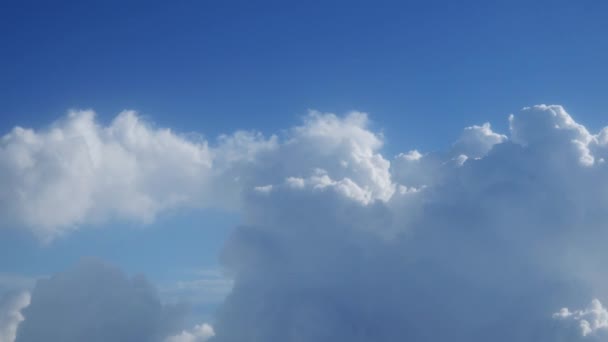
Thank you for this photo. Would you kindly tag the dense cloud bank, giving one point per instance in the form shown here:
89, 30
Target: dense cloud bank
484, 242
491, 240
96, 302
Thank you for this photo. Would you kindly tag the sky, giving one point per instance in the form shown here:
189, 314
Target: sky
303, 171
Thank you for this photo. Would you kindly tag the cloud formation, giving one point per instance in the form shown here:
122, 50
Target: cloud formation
79, 172
482, 242
96, 302
10, 314
592, 322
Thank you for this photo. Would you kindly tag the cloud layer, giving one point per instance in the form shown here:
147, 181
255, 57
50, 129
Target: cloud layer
483, 241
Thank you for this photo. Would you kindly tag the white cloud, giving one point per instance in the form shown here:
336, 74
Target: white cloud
335, 153
499, 231
591, 321
79, 172
199, 333
481, 242
476, 141
263, 189
562, 130
10, 314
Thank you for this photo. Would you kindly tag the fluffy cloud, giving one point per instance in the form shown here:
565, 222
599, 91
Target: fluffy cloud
10, 314
79, 172
476, 141
96, 302
591, 322
484, 241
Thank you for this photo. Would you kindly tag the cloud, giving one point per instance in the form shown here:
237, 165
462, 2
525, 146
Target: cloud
481, 242
201, 288
79, 172
15, 283
200, 333
476, 141
591, 322
10, 314
96, 302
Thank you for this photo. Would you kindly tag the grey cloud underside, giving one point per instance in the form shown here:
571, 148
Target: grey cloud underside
96, 302
11, 305
486, 241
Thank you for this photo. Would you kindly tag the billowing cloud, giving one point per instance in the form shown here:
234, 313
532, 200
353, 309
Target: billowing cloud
591, 322
482, 242
476, 141
80, 172
96, 302
10, 314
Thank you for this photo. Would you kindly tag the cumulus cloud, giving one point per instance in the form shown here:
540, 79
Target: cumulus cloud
481, 242
10, 314
591, 322
96, 302
476, 141
79, 172
486, 240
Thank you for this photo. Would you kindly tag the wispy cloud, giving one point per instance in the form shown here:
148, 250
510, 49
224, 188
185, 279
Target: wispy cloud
13, 282
200, 287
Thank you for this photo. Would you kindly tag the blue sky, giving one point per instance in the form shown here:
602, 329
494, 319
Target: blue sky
421, 70
202, 65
